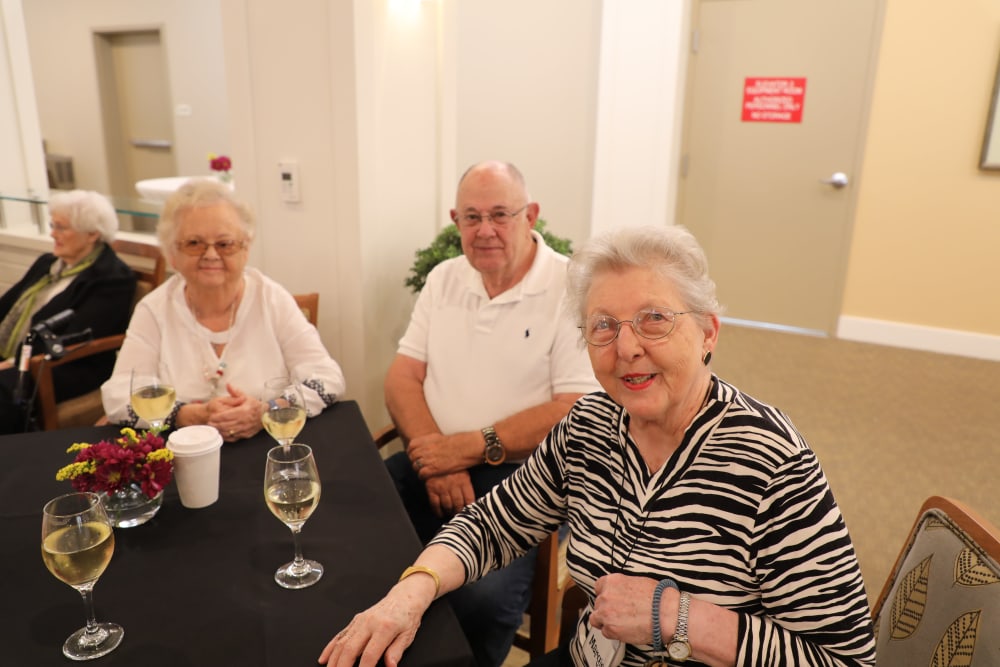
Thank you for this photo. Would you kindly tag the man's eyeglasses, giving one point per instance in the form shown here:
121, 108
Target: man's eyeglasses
499, 217
197, 247
651, 323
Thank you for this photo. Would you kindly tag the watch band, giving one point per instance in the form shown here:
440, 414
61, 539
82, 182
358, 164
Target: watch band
679, 648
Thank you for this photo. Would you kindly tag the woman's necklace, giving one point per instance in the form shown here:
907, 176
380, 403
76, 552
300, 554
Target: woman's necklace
219, 341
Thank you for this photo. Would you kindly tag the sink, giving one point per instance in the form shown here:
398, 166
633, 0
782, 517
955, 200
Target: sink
158, 189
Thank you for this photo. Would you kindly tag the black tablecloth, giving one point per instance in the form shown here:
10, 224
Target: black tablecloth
196, 587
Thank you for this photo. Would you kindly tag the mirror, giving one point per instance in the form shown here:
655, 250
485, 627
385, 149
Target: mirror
990, 157
133, 91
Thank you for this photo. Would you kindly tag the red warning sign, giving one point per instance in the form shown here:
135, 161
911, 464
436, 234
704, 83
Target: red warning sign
773, 99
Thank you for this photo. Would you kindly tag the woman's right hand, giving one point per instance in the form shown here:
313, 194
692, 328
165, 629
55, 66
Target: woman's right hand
386, 629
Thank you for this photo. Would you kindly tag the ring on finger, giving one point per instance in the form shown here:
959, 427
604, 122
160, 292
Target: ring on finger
418, 464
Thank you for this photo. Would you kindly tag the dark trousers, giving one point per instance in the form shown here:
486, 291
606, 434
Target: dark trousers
490, 610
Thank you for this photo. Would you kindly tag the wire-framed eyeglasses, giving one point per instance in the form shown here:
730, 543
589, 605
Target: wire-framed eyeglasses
499, 217
651, 323
198, 247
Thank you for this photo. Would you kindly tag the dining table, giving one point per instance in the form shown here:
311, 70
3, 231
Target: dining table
196, 587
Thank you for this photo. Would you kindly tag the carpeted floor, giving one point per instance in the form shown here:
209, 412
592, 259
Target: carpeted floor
890, 426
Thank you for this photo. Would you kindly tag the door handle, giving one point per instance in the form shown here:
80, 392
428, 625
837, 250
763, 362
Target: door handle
151, 143
837, 180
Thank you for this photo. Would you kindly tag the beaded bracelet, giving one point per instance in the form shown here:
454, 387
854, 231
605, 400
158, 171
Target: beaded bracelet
657, 632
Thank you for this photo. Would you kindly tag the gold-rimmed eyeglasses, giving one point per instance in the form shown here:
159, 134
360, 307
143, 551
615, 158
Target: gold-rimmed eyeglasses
651, 323
499, 217
198, 247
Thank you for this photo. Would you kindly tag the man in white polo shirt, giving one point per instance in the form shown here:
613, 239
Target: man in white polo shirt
488, 365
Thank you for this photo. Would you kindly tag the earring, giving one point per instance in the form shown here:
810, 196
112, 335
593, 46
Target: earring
708, 358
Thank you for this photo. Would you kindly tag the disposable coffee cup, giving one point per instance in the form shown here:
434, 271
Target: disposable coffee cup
196, 464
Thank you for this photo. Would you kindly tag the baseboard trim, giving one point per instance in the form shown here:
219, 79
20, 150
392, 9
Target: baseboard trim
916, 337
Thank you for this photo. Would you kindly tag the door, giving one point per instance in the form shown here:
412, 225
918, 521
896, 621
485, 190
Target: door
752, 190
136, 106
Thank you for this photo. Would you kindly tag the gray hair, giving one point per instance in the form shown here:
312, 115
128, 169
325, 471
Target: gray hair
193, 194
671, 251
86, 211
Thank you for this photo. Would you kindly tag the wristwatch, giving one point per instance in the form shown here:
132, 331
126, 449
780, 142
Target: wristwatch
494, 454
679, 648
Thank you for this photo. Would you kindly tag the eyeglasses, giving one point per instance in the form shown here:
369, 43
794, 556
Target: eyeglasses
651, 323
60, 228
198, 247
498, 218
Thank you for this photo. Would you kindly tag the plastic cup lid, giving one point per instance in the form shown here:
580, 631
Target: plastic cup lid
191, 440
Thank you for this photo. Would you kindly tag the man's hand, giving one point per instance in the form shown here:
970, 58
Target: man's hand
434, 454
448, 494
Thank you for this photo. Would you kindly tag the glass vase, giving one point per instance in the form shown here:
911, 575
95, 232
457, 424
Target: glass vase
129, 506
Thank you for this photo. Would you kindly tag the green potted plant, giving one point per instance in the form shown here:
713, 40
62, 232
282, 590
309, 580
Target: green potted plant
448, 244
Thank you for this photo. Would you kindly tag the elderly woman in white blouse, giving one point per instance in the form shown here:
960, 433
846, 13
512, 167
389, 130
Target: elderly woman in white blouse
218, 330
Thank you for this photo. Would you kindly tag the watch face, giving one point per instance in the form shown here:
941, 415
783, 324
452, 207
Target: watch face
495, 454
679, 650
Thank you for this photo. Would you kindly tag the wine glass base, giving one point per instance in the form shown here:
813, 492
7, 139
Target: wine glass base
81, 646
291, 576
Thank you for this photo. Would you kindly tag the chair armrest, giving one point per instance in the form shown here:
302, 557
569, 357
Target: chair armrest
385, 435
41, 372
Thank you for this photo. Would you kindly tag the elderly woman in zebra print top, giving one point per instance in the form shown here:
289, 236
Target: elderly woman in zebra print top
701, 524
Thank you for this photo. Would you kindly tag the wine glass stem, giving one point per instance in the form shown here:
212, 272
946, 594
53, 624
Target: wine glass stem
298, 561
87, 592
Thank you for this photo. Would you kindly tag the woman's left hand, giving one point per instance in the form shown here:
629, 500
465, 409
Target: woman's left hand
236, 416
623, 608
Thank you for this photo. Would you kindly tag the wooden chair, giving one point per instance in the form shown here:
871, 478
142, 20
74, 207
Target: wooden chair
941, 602
150, 269
551, 581
309, 304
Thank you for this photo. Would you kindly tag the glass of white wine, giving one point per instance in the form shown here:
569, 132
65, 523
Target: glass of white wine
77, 543
152, 399
286, 409
291, 491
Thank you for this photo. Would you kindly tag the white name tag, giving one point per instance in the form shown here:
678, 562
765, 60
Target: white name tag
592, 647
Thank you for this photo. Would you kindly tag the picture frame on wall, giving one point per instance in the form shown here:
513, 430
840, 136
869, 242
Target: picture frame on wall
990, 156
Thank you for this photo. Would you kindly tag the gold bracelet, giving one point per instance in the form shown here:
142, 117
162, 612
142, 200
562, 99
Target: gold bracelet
414, 569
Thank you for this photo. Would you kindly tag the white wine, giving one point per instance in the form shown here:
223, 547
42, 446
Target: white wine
292, 500
79, 554
284, 423
153, 403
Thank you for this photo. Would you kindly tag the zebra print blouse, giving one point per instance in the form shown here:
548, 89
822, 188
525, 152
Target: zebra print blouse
741, 516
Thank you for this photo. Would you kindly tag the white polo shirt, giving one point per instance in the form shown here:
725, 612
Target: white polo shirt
488, 359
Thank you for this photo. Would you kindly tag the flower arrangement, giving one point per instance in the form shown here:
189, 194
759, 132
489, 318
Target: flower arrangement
128, 460
221, 165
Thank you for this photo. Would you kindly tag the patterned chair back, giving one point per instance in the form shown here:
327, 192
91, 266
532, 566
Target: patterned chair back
941, 604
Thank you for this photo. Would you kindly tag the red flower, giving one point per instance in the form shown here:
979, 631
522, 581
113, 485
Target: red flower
221, 163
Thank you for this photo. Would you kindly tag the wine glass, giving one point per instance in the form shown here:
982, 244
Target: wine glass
77, 543
152, 399
286, 409
291, 491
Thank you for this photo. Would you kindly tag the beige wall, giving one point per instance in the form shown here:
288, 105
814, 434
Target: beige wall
927, 229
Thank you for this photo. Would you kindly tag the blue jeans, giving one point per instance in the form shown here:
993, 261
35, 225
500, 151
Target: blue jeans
489, 610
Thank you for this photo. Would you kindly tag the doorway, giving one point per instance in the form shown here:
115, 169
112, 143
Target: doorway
135, 109
757, 189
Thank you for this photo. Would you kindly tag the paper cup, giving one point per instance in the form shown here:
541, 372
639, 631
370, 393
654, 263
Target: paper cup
196, 464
